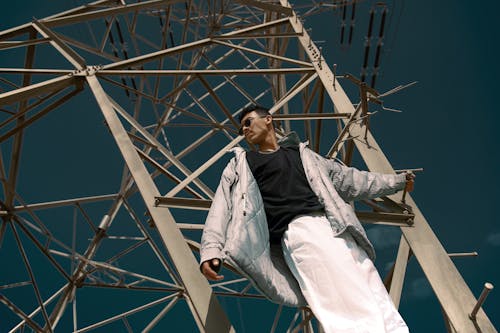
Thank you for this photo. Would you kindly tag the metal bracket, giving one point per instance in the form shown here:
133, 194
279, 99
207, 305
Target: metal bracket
87, 71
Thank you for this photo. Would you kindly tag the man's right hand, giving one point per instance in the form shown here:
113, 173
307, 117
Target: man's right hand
410, 181
206, 269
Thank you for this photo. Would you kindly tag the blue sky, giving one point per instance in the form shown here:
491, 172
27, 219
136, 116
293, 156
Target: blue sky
448, 127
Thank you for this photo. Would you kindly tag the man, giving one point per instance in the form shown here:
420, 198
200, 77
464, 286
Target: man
284, 201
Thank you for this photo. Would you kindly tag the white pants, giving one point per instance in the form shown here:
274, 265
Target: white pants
338, 280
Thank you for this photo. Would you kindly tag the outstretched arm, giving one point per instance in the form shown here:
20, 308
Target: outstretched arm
353, 184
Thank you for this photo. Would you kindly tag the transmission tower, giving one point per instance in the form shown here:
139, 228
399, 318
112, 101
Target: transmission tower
150, 92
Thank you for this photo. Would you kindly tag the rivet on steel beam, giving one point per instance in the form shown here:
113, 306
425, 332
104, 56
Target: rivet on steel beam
487, 288
320, 55
334, 75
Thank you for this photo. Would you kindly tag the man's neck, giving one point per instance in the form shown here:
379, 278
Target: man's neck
270, 144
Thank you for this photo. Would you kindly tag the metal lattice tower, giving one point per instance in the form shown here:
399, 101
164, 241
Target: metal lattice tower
166, 80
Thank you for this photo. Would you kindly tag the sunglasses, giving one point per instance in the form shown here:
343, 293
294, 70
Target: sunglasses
247, 123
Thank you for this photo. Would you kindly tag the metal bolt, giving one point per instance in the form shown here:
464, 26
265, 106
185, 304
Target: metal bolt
487, 288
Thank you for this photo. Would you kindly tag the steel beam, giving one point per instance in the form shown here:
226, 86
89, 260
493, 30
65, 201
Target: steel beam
259, 36
262, 54
32, 277
310, 116
14, 44
67, 52
93, 15
36, 71
37, 89
62, 203
267, 6
183, 203
370, 217
23, 123
160, 147
184, 47
82, 9
218, 100
37, 310
167, 173
206, 309
183, 72
26, 319
160, 315
10, 183
399, 272
10, 33
128, 313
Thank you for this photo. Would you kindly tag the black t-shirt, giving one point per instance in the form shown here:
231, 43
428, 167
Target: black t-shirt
283, 186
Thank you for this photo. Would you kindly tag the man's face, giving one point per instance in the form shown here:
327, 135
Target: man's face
255, 127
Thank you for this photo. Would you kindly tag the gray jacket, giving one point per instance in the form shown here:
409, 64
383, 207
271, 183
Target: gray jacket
236, 228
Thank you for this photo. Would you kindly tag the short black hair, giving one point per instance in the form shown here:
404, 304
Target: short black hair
261, 111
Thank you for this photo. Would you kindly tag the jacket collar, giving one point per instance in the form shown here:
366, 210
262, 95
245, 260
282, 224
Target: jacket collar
290, 140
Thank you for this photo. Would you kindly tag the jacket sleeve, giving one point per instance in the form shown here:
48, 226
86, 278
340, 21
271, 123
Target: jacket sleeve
353, 184
219, 216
